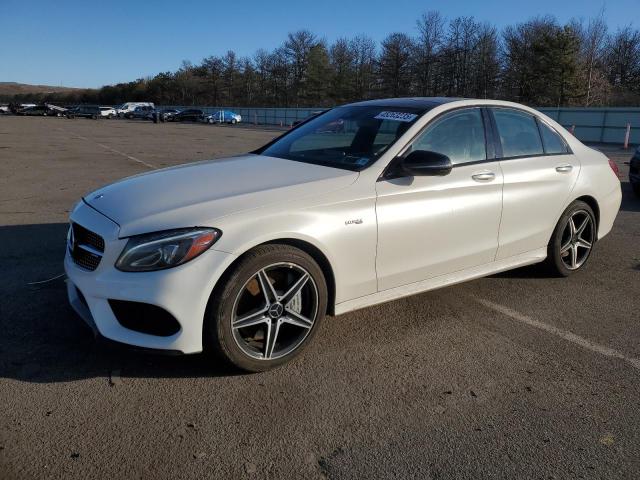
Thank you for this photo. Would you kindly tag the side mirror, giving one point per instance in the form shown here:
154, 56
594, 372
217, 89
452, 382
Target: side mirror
423, 162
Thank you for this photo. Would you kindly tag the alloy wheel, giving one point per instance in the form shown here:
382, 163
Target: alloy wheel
577, 239
274, 311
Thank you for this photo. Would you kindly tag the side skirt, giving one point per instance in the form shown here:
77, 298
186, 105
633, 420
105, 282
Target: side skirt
445, 280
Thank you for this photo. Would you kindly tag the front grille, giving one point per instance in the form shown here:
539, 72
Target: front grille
86, 247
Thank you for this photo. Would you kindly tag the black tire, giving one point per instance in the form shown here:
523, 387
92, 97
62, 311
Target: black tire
555, 264
218, 333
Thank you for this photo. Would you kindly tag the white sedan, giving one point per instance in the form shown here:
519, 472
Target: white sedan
245, 256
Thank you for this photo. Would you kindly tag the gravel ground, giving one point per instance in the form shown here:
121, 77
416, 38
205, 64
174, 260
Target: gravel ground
512, 376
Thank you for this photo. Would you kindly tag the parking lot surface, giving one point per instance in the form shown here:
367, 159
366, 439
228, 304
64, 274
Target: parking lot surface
512, 376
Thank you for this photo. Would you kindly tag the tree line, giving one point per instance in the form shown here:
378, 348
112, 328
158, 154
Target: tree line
540, 62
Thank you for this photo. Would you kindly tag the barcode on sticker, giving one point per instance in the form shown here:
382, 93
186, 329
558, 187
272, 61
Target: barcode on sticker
396, 116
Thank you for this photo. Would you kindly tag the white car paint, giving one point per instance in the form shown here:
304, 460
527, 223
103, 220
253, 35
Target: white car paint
383, 239
108, 111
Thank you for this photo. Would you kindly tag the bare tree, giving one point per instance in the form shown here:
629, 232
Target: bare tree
364, 51
394, 64
426, 52
622, 59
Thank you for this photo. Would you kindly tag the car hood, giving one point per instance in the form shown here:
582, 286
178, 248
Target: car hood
197, 194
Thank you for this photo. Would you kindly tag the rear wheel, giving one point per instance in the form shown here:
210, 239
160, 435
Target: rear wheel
572, 240
268, 309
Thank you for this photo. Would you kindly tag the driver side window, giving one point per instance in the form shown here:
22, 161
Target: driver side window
458, 135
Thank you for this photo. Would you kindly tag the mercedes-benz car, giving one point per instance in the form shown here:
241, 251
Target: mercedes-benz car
246, 255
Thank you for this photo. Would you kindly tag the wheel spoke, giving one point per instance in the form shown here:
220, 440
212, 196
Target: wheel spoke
583, 243
270, 341
583, 226
565, 248
251, 319
572, 227
574, 256
268, 291
294, 318
295, 288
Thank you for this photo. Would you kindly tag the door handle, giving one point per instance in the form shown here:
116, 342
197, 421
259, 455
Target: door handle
564, 168
483, 176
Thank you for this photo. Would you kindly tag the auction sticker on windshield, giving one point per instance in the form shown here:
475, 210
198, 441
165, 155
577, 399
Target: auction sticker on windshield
396, 116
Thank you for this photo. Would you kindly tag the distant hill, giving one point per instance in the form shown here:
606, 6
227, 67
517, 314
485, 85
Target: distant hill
14, 88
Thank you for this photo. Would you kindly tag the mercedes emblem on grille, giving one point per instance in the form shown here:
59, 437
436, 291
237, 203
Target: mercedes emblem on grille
71, 239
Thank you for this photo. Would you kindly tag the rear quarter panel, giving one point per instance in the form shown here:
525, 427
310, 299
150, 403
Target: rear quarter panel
598, 180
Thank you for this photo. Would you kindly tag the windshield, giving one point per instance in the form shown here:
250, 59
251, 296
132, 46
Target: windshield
351, 137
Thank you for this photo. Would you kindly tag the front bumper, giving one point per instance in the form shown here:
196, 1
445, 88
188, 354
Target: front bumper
182, 291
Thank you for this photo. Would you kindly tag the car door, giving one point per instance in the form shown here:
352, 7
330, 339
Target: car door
539, 174
434, 225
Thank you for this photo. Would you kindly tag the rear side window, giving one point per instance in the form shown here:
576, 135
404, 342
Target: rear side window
458, 135
553, 142
518, 132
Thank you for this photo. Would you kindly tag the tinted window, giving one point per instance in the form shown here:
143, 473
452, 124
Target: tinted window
518, 133
459, 136
350, 137
553, 143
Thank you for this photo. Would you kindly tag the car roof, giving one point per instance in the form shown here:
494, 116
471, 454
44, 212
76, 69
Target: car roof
415, 102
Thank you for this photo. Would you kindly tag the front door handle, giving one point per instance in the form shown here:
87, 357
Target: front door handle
483, 176
564, 168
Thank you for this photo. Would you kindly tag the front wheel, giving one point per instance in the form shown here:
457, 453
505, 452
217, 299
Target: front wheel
572, 240
268, 309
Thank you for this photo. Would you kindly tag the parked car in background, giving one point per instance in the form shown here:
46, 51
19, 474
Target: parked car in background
58, 111
108, 112
189, 115
38, 110
143, 112
167, 114
223, 116
247, 255
127, 107
4, 109
634, 172
85, 111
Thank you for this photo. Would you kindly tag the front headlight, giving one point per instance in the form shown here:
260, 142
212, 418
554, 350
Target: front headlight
157, 251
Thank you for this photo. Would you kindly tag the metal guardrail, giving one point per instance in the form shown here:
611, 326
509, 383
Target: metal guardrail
604, 125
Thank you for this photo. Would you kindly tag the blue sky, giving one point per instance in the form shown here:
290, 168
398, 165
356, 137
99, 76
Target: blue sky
92, 43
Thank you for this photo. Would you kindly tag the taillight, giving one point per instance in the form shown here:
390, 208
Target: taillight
615, 168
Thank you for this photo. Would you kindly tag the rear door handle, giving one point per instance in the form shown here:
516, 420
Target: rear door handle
483, 176
564, 168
